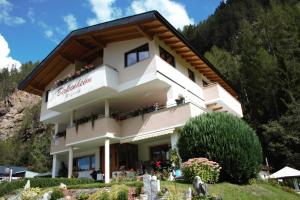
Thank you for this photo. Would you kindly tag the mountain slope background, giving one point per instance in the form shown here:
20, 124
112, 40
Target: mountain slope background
24, 141
255, 44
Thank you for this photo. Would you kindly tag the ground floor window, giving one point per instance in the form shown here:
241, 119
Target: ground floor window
159, 153
84, 163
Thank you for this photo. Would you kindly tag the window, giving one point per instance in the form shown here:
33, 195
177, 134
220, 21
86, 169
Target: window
204, 83
84, 163
191, 75
166, 56
47, 96
159, 153
137, 55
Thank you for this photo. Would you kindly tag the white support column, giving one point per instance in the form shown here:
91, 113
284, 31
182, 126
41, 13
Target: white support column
70, 165
54, 165
107, 161
106, 108
170, 97
55, 128
72, 117
97, 160
174, 139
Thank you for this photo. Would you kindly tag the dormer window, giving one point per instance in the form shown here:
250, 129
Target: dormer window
137, 55
166, 56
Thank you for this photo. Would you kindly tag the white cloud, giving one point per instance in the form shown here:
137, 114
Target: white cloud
30, 15
5, 60
173, 11
48, 33
5, 14
71, 22
104, 11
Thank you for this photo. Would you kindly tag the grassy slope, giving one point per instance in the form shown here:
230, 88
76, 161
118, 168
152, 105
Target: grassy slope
258, 191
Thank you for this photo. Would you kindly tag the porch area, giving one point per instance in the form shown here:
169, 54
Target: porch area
108, 159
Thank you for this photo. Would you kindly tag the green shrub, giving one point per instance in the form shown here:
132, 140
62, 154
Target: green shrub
225, 139
7, 187
104, 196
83, 196
101, 185
119, 192
207, 170
138, 190
30, 193
123, 195
96, 195
56, 194
50, 182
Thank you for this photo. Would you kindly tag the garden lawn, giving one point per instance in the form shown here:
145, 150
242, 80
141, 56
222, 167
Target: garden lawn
228, 191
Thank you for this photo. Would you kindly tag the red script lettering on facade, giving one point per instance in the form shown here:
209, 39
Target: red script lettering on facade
71, 87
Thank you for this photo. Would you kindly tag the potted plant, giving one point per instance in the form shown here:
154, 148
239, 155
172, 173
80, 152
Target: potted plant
180, 99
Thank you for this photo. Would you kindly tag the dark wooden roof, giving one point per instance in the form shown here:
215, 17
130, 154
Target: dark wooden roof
84, 44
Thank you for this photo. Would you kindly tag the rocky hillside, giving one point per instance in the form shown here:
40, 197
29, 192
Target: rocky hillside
12, 111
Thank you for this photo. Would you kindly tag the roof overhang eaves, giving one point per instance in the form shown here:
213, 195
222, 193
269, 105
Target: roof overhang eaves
151, 15
185, 41
118, 22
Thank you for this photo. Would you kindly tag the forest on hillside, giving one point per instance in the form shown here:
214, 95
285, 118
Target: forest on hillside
254, 44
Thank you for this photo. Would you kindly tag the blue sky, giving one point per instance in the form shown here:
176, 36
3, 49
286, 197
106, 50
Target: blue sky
30, 29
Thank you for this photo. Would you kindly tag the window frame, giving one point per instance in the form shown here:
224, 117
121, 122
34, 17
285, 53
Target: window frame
191, 75
47, 96
136, 51
164, 147
162, 50
90, 157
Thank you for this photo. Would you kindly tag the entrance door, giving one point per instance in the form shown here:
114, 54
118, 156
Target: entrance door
120, 155
113, 154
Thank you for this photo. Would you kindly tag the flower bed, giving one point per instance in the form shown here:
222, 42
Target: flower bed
72, 76
7, 187
208, 171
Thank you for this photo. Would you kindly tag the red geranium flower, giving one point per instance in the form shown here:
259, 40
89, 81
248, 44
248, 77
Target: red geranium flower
157, 164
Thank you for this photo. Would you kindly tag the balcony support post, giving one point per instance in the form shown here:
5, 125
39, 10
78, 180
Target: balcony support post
70, 166
107, 161
106, 108
55, 128
72, 117
54, 163
174, 139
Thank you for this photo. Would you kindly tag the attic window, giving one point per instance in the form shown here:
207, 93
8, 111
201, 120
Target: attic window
136, 55
166, 56
47, 96
191, 75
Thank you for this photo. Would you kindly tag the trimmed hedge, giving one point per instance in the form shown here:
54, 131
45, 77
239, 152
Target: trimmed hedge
137, 184
7, 187
223, 138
